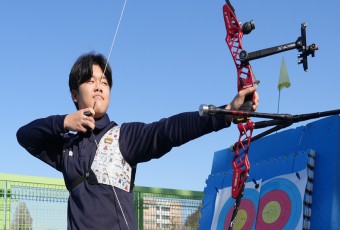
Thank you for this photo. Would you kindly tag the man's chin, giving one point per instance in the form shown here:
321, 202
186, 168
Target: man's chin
98, 115
100, 110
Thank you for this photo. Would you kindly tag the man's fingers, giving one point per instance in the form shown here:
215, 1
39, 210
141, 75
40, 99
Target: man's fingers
89, 112
249, 90
255, 101
88, 124
88, 121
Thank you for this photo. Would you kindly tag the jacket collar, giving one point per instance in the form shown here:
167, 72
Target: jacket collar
101, 123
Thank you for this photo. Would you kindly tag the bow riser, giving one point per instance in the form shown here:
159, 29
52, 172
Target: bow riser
245, 79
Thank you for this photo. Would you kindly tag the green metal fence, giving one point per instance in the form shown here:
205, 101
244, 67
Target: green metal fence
28, 203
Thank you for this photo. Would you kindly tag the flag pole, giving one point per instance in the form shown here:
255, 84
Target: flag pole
278, 103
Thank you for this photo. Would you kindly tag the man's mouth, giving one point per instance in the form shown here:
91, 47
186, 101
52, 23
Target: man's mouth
98, 97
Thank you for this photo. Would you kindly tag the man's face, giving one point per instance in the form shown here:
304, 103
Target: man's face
94, 92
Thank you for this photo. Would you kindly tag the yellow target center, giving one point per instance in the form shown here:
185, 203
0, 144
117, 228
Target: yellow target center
271, 212
240, 219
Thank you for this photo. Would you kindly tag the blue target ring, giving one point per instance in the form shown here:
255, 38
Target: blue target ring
289, 188
250, 195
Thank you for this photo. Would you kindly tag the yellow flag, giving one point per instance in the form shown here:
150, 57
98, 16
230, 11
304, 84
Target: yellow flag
284, 78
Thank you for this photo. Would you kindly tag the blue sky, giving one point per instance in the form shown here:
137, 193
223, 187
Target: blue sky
169, 57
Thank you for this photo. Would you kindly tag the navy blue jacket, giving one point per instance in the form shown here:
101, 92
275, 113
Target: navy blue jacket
94, 206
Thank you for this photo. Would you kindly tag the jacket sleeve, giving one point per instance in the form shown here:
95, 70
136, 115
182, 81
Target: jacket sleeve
43, 138
140, 142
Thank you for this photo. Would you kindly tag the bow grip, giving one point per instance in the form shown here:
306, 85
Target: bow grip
248, 103
246, 106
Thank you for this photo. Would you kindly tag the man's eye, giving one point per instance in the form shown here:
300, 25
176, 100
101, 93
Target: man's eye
104, 83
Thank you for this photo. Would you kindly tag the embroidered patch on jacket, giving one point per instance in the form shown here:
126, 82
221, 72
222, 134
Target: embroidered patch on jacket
109, 165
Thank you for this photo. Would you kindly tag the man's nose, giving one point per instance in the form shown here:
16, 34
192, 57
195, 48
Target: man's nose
98, 86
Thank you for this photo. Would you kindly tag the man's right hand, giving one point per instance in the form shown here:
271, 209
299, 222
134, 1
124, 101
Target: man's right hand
79, 122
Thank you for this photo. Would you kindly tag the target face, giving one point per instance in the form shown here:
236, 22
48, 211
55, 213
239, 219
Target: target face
276, 204
246, 214
280, 205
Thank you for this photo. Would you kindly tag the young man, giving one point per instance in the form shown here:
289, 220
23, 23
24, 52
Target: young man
98, 158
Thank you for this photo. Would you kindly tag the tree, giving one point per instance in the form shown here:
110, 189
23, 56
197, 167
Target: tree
22, 218
193, 219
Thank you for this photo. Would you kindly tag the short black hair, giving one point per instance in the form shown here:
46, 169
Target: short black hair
82, 69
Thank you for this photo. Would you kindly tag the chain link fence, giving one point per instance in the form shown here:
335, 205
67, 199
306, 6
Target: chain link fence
28, 203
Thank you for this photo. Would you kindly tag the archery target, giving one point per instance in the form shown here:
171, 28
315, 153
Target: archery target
280, 205
246, 215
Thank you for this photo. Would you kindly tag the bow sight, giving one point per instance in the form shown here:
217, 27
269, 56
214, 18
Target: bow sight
300, 44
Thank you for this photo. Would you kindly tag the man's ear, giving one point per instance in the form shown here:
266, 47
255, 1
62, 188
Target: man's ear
74, 94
